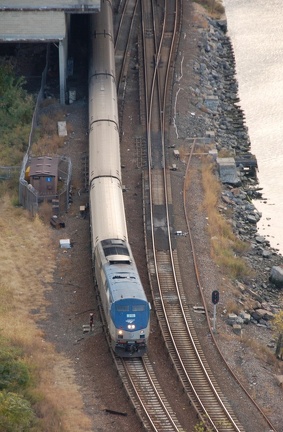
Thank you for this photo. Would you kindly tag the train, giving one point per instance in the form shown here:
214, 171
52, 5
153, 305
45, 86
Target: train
124, 302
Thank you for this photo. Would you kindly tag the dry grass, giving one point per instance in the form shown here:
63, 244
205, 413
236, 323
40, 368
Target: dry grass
233, 307
47, 145
214, 7
48, 123
226, 248
261, 351
183, 151
47, 141
225, 153
45, 212
27, 264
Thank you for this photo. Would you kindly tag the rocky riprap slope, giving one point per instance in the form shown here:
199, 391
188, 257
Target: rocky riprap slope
219, 116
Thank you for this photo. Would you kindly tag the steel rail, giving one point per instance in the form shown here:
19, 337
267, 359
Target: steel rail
150, 420
273, 429
147, 391
118, 32
216, 392
150, 175
129, 10
139, 379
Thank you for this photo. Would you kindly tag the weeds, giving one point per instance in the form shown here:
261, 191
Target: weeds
261, 351
233, 307
47, 145
16, 110
226, 248
33, 392
47, 142
214, 7
45, 212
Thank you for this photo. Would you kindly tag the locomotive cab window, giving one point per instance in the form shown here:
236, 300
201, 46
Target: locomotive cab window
112, 247
113, 250
138, 308
123, 276
122, 308
119, 262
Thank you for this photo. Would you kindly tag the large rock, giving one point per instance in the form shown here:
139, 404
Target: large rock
259, 314
246, 317
228, 171
279, 379
276, 276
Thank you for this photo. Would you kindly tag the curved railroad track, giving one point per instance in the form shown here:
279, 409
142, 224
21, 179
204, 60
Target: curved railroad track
170, 301
159, 29
170, 304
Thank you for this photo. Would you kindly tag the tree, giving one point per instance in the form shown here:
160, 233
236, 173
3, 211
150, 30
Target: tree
16, 109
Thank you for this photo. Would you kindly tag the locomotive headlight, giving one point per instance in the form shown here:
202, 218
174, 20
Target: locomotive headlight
120, 332
131, 326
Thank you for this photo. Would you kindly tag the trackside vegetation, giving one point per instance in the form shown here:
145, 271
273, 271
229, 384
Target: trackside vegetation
278, 326
214, 7
33, 392
16, 413
226, 248
16, 110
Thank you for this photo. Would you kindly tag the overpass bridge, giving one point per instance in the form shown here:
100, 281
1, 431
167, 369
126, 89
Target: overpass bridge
30, 21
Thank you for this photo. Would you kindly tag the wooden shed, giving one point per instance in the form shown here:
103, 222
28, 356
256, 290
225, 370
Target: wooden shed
44, 174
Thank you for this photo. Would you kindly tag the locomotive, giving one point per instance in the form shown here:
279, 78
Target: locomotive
124, 302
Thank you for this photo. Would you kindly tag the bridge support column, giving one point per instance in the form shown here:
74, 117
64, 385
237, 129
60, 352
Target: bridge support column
63, 55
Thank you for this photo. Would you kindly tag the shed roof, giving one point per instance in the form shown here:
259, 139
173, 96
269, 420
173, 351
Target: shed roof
44, 166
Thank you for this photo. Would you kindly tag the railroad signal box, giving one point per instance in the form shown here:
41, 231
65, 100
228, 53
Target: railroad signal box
215, 297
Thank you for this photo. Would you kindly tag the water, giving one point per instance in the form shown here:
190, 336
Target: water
256, 31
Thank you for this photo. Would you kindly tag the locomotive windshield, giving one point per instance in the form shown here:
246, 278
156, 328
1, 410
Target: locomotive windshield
138, 308
114, 247
122, 308
114, 250
133, 308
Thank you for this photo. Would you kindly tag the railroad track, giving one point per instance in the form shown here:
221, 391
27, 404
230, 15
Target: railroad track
123, 42
147, 396
171, 307
159, 29
123, 46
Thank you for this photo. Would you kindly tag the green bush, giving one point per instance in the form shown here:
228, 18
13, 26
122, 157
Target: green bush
16, 414
14, 373
16, 110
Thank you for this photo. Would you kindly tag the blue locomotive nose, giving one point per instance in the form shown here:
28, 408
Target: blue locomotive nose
131, 318
130, 315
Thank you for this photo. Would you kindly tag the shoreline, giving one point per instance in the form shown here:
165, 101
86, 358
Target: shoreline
214, 114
